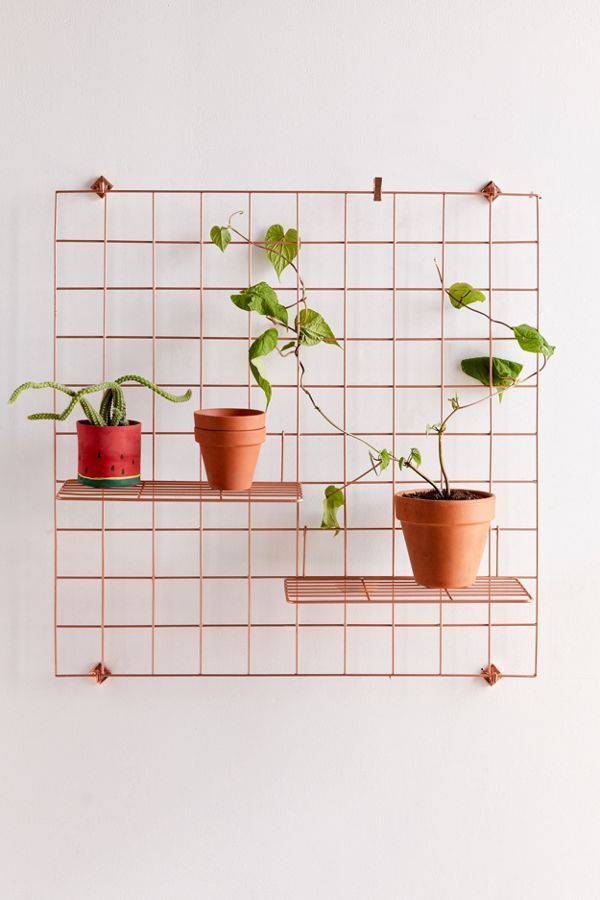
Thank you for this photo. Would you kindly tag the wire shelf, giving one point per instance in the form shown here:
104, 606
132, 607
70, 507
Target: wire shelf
183, 491
402, 589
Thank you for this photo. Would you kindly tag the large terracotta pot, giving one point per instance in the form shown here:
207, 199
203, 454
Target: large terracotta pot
108, 455
445, 539
230, 440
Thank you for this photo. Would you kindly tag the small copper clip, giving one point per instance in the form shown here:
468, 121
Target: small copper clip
377, 188
100, 673
491, 191
492, 674
101, 186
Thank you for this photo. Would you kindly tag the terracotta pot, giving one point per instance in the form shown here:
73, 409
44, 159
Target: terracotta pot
445, 539
230, 440
109, 455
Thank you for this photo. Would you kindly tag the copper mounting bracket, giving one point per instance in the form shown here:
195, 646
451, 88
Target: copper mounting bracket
491, 191
492, 674
377, 182
99, 673
101, 186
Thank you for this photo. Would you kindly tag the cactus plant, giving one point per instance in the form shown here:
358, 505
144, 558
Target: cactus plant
112, 410
109, 444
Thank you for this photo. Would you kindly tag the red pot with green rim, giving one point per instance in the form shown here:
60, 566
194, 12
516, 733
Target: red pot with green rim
109, 455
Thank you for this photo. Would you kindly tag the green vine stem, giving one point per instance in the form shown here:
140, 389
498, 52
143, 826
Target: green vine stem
528, 338
297, 350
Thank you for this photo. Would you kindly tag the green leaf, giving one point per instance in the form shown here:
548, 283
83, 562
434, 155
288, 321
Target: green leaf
281, 247
262, 346
532, 341
261, 298
334, 498
462, 294
288, 346
504, 371
313, 328
220, 236
415, 456
401, 463
385, 457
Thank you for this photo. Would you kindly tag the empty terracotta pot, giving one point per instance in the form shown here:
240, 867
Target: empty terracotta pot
445, 539
108, 455
230, 440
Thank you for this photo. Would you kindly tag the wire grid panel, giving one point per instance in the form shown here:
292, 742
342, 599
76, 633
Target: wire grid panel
165, 587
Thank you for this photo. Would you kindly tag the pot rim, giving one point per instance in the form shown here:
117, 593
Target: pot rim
130, 423
446, 513
405, 495
229, 418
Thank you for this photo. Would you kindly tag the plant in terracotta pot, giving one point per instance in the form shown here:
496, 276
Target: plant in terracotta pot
446, 529
109, 444
237, 434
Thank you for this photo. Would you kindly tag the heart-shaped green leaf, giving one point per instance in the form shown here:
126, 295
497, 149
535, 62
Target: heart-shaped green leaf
313, 328
462, 294
220, 236
334, 498
384, 457
262, 346
532, 341
261, 298
504, 371
415, 456
281, 247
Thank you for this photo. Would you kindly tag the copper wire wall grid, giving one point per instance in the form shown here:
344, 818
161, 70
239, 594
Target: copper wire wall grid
173, 578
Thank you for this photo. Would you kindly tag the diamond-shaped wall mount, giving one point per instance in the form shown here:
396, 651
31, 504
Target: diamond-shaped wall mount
492, 674
100, 673
491, 191
101, 186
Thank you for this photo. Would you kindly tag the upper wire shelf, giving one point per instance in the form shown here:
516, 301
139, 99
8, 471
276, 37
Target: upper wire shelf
182, 491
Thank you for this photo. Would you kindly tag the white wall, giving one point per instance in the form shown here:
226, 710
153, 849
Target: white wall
283, 789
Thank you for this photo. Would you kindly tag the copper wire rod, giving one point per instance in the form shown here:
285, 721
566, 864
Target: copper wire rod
153, 508
295, 191
537, 430
195, 337
281, 288
304, 242
332, 434
54, 433
276, 625
442, 407
273, 529
249, 535
393, 536
200, 460
348, 675
211, 577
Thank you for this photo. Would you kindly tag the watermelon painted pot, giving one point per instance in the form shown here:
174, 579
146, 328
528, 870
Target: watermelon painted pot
109, 455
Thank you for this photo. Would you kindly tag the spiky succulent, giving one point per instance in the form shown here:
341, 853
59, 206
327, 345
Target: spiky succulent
112, 411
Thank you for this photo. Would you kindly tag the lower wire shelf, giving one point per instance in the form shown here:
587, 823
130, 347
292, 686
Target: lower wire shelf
400, 589
182, 491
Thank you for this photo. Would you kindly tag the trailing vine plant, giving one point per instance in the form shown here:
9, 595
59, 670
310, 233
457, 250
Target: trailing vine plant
112, 409
307, 328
